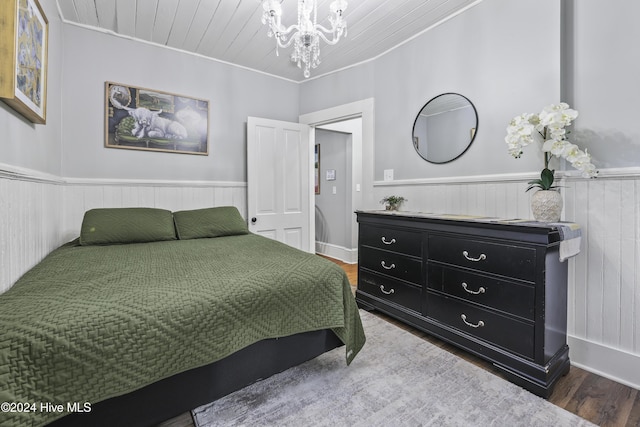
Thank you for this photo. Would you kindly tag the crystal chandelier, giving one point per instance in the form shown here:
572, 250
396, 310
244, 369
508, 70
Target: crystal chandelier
305, 36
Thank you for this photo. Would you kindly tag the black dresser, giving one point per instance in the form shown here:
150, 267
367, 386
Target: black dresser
495, 288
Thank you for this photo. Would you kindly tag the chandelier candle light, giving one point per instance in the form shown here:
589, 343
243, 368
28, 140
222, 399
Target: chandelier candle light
306, 34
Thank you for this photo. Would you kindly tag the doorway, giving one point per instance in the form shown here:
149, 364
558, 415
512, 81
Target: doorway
362, 158
337, 145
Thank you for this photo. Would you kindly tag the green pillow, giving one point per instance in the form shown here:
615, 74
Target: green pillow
109, 226
209, 222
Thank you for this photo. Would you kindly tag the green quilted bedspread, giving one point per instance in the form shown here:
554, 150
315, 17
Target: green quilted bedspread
92, 322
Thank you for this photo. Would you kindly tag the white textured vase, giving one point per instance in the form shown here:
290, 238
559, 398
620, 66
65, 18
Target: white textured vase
546, 205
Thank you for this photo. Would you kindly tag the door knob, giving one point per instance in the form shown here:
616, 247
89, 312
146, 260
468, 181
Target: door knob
253, 220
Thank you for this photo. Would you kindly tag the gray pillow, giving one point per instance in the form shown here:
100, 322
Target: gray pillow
209, 222
108, 226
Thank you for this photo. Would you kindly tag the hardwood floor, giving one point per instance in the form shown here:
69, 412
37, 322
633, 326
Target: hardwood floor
602, 401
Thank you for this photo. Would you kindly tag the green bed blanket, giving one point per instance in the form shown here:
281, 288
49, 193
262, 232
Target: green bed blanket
92, 322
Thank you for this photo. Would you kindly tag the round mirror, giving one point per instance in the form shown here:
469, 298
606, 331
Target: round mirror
445, 128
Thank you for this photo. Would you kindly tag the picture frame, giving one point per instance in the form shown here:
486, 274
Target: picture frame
316, 163
138, 118
24, 40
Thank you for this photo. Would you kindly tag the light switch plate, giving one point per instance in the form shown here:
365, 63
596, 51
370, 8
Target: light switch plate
388, 174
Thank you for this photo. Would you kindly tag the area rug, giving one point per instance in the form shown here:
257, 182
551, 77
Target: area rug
397, 379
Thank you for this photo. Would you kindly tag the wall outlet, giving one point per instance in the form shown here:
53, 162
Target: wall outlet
388, 174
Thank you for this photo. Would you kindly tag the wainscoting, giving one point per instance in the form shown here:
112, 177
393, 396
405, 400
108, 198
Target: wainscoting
39, 212
82, 195
604, 279
30, 218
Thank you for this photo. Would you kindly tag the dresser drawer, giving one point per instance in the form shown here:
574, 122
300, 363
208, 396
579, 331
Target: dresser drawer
499, 258
510, 297
393, 264
391, 290
511, 334
392, 239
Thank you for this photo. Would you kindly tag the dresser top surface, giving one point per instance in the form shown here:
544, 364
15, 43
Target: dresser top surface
466, 218
474, 221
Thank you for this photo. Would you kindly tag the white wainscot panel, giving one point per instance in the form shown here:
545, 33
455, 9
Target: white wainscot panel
30, 215
81, 196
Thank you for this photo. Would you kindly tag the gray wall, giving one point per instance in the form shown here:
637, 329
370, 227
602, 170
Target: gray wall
333, 226
475, 54
234, 94
352, 84
22, 143
602, 65
508, 57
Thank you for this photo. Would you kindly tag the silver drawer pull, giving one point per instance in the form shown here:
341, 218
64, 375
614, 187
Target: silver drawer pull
388, 242
390, 267
480, 323
389, 292
480, 258
482, 290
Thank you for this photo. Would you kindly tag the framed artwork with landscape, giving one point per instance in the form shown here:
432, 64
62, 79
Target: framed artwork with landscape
148, 119
23, 58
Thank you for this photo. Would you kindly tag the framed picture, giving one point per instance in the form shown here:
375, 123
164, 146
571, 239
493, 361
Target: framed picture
146, 119
316, 163
23, 58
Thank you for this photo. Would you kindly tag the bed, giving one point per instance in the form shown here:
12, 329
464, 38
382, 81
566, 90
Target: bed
151, 313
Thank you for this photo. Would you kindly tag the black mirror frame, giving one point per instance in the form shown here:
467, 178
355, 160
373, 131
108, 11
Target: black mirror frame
475, 111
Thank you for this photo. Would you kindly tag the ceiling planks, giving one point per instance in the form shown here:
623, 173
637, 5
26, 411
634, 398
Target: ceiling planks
165, 16
180, 27
68, 10
231, 30
106, 13
146, 11
227, 23
126, 17
201, 21
86, 11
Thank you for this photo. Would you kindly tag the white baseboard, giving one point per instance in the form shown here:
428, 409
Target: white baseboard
350, 256
617, 365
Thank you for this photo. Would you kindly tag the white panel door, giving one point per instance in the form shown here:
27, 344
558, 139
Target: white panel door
279, 184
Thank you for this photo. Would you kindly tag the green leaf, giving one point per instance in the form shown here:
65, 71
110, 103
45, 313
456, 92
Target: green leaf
546, 179
544, 183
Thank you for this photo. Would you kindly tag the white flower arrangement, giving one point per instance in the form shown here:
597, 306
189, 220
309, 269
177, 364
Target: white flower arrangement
548, 127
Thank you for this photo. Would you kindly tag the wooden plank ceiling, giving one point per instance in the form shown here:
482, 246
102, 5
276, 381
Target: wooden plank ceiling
231, 30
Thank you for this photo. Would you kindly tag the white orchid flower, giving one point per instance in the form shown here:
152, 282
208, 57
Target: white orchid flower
550, 124
554, 146
571, 152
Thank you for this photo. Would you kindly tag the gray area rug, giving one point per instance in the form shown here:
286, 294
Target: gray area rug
398, 379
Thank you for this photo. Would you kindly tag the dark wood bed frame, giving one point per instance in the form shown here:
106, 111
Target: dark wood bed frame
183, 392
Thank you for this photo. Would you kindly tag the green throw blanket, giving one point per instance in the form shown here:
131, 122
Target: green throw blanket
92, 322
